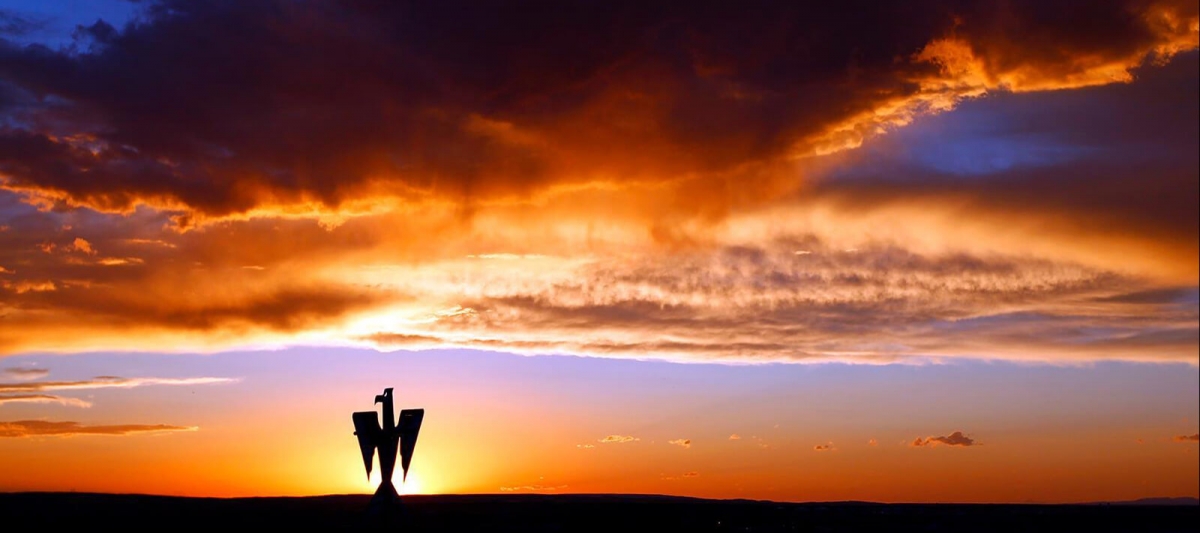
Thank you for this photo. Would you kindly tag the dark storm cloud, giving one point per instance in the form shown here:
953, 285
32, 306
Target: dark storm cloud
217, 108
1122, 162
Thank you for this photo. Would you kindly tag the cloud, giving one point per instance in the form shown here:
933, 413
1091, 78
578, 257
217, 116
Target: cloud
618, 439
585, 446
108, 382
24, 373
735, 436
683, 443
873, 442
824, 447
43, 428
1195, 437
43, 398
955, 439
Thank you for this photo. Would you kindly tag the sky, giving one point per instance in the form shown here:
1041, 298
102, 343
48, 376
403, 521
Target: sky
922, 252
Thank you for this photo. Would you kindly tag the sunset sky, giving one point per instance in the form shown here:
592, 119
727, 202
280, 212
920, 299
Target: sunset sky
890, 251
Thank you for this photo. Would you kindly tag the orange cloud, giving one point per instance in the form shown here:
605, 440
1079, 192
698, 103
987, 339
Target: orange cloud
683, 443
645, 202
955, 439
1195, 437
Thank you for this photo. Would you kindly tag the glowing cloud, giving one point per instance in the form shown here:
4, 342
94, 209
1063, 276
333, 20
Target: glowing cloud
618, 439
43, 428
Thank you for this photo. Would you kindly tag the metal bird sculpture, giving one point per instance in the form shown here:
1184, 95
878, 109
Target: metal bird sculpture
389, 438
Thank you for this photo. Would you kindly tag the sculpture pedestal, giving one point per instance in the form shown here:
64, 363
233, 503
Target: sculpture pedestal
385, 503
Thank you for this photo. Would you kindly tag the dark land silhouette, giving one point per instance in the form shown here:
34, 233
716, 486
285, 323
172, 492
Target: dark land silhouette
568, 513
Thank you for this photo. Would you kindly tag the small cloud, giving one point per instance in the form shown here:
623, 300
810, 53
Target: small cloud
82, 246
585, 446
618, 439
115, 261
802, 252
156, 242
872, 442
25, 374
253, 267
44, 398
691, 474
1195, 437
33, 286
735, 436
47, 247
955, 439
43, 428
533, 488
686, 443
6, 271
827, 447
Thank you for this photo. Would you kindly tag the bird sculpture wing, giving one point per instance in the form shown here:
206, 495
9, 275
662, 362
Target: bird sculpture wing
409, 427
366, 427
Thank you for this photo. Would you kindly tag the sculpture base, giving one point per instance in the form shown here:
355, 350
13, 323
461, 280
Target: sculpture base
385, 503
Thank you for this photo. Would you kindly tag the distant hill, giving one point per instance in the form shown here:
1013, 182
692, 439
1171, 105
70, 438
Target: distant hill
1156, 501
606, 513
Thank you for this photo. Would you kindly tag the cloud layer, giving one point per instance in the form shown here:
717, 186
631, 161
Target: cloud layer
617, 179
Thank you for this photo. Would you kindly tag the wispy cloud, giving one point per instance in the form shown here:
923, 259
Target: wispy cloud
735, 436
533, 488
1195, 437
43, 398
108, 382
683, 443
25, 373
827, 447
42, 428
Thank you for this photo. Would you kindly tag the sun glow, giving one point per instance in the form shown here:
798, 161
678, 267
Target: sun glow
413, 485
